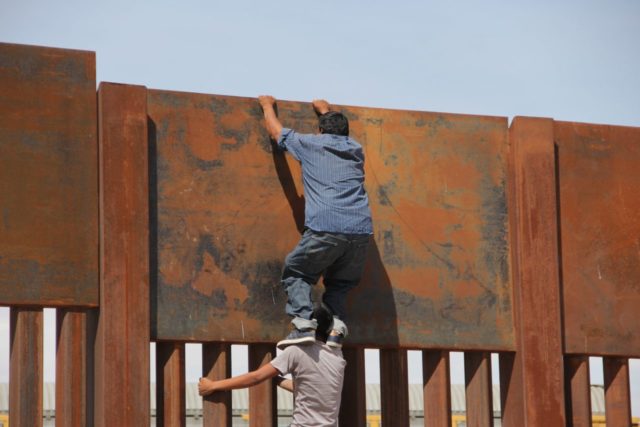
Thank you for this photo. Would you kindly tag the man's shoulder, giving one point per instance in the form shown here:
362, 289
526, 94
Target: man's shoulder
313, 348
292, 350
291, 131
323, 139
299, 350
330, 351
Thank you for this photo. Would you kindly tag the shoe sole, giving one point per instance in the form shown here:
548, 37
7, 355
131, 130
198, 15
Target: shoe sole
286, 343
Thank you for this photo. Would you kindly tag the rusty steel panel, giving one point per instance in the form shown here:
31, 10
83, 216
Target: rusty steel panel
436, 388
354, 411
394, 388
170, 385
478, 389
25, 367
577, 391
48, 177
71, 369
599, 184
537, 281
263, 408
122, 350
216, 365
617, 392
228, 210
511, 390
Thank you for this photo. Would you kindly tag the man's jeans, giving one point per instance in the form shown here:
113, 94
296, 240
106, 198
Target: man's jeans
340, 257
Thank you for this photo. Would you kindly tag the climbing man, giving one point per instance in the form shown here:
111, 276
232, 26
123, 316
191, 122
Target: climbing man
337, 221
317, 371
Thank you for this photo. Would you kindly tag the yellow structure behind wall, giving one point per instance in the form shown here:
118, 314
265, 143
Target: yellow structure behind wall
600, 421
596, 421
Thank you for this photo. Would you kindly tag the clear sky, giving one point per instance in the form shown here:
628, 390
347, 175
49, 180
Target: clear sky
570, 60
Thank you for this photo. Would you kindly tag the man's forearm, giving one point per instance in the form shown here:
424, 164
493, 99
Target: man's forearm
286, 384
274, 127
241, 381
266, 371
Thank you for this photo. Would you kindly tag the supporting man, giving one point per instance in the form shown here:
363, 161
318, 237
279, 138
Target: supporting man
317, 371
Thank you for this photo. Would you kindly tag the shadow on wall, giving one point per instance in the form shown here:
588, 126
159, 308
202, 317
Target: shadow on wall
285, 177
153, 225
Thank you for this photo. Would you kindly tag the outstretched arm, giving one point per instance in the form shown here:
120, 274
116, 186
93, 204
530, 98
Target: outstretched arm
274, 127
265, 372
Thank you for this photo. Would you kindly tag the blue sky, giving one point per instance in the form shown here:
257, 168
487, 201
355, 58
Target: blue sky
570, 60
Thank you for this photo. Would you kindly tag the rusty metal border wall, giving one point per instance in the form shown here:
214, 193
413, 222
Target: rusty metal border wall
77, 177
438, 270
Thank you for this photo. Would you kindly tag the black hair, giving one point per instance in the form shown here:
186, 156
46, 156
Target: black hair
334, 123
324, 317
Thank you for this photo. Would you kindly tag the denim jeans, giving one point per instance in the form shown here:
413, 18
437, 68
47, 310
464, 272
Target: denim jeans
339, 257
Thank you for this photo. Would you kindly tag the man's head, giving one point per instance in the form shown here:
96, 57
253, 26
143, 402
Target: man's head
324, 317
334, 123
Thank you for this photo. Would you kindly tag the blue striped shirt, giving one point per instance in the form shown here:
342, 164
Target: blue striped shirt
333, 178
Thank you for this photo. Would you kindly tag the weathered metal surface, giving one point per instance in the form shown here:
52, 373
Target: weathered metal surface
229, 210
511, 390
122, 356
394, 388
226, 209
599, 184
478, 389
71, 369
617, 392
577, 391
263, 410
437, 388
25, 367
170, 383
536, 280
511, 378
48, 177
216, 365
354, 410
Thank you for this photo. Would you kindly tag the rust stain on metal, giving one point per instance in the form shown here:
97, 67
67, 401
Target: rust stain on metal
599, 183
216, 365
229, 210
48, 177
263, 411
577, 390
437, 387
394, 387
617, 392
72, 355
26, 366
537, 283
123, 334
170, 385
478, 388
354, 389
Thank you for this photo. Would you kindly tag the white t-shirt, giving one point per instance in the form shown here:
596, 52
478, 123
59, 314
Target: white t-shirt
318, 373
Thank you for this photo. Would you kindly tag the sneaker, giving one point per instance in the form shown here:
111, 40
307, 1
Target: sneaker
298, 336
335, 339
